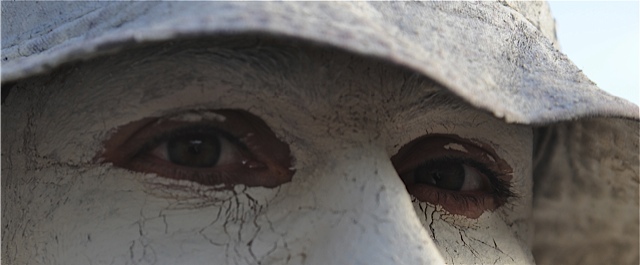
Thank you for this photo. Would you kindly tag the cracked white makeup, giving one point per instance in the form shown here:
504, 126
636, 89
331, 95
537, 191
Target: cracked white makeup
198, 116
455, 146
257, 151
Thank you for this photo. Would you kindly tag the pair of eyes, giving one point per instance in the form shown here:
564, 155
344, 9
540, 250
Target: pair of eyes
224, 148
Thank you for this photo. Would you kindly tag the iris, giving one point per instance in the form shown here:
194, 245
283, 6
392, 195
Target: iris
448, 175
194, 150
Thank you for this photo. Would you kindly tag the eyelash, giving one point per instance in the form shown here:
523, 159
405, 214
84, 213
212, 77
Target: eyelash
426, 161
499, 190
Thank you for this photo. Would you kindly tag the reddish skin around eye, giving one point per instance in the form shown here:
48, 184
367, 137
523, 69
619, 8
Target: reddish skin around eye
468, 203
266, 161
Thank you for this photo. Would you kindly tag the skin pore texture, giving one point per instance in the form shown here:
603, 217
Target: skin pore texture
343, 117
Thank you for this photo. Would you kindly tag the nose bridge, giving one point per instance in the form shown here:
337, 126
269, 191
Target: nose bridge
370, 217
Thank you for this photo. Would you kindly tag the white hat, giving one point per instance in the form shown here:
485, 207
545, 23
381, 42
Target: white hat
501, 57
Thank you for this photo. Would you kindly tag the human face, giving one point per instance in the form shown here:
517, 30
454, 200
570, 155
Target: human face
336, 129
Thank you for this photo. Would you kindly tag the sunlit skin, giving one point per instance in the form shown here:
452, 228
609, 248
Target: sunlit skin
322, 130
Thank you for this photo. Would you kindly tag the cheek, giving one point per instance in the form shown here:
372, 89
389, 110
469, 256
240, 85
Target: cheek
103, 216
74, 215
486, 240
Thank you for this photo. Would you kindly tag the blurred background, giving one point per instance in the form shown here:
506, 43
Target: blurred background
601, 38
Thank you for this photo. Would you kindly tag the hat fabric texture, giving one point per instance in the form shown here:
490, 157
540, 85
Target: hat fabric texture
501, 57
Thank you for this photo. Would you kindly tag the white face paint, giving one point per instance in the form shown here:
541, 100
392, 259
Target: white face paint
343, 117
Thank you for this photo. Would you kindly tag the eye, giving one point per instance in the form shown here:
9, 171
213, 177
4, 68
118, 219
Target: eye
460, 175
223, 147
192, 150
199, 146
448, 174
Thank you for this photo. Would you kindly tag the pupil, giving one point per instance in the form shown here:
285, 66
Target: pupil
445, 175
194, 150
195, 146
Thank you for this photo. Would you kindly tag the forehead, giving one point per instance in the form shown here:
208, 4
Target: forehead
291, 69
257, 69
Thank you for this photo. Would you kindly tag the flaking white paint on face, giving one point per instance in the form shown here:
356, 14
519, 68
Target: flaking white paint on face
342, 115
197, 116
457, 147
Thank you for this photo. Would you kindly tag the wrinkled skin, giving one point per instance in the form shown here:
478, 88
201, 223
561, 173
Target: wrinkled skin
343, 117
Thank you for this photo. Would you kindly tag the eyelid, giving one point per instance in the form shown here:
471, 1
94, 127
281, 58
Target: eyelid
119, 146
436, 146
465, 162
261, 158
145, 134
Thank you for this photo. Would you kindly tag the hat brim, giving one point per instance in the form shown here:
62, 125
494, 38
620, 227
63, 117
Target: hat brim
499, 62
